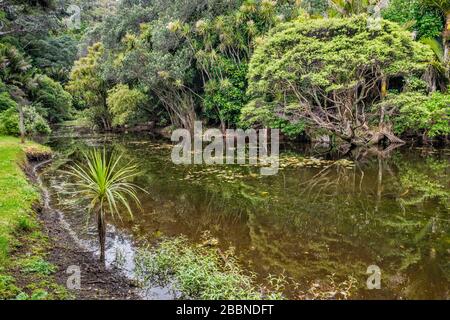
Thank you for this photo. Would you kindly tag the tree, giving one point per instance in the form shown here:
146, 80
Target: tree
329, 72
348, 8
224, 99
444, 7
56, 103
86, 84
54, 56
124, 102
19, 19
104, 182
17, 75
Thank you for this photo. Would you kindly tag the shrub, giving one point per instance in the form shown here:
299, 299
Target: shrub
124, 102
421, 114
9, 122
34, 122
6, 102
55, 102
224, 99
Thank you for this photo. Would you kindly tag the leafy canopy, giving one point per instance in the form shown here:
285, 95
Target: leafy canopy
327, 70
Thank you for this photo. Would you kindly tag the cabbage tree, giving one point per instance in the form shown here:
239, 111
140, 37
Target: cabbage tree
104, 182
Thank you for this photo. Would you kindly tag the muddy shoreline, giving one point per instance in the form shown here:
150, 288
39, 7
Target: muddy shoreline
97, 282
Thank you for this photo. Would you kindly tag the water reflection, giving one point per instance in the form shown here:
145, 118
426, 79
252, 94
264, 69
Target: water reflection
389, 208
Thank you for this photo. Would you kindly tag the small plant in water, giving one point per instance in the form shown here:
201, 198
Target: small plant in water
105, 183
199, 272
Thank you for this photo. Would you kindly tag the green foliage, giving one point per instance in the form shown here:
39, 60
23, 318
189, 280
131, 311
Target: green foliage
55, 102
17, 197
87, 85
182, 53
123, 103
34, 122
6, 102
305, 70
54, 56
224, 99
258, 112
38, 265
315, 7
104, 182
425, 20
39, 294
9, 122
421, 114
414, 84
8, 288
199, 272
16, 72
25, 224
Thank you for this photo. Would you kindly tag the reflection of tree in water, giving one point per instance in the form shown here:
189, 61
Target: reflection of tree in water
342, 220
390, 209
424, 217
315, 222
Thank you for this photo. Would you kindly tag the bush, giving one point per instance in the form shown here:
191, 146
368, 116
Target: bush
9, 122
34, 122
427, 22
55, 102
6, 102
224, 99
421, 114
123, 103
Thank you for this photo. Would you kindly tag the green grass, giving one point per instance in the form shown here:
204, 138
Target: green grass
24, 271
16, 194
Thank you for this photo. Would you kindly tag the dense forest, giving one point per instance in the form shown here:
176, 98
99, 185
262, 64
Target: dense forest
355, 72
358, 207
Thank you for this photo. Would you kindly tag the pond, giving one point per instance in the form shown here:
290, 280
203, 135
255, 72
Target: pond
315, 220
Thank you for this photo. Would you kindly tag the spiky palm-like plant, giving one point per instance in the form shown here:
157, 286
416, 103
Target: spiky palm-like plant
105, 183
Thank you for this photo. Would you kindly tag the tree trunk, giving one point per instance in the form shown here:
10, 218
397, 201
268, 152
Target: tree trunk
383, 90
21, 123
101, 234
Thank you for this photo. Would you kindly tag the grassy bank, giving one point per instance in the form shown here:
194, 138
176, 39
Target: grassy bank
24, 271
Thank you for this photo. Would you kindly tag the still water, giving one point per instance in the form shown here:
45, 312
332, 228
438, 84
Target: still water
315, 220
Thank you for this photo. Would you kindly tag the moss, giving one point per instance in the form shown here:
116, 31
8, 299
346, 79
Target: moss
8, 289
